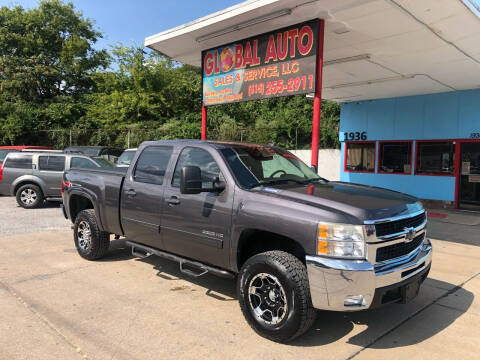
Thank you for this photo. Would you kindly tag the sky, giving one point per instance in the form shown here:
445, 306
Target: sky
131, 21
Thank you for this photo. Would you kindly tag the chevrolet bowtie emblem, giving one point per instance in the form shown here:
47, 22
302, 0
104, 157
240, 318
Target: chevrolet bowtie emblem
410, 233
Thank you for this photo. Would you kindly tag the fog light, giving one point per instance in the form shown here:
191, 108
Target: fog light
354, 300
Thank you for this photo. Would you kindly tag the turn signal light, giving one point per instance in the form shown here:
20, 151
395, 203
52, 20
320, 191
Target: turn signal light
64, 185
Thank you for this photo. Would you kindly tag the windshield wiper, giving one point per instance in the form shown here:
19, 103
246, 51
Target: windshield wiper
277, 181
315, 180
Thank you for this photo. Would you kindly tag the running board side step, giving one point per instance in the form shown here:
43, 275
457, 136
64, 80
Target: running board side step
142, 251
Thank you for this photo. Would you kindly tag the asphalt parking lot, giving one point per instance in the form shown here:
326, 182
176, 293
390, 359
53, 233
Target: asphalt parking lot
55, 305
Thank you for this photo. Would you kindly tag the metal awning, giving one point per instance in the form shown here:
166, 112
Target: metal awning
373, 48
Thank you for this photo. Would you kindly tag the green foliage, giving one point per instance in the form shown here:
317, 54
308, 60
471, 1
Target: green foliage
46, 65
51, 78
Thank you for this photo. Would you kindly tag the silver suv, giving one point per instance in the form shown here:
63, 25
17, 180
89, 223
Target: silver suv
35, 177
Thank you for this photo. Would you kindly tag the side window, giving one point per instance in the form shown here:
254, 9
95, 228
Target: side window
152, 164
19, 162
51, 163
78, 162
191, 156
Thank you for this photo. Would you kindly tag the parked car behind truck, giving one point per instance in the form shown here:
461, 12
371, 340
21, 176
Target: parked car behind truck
294, 241
35, 177
4, 150
108, 153
125, 159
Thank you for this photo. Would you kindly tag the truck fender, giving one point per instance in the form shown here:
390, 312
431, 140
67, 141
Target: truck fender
92, 198
295, 224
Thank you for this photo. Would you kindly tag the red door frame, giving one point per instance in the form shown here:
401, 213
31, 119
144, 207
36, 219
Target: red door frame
458, 166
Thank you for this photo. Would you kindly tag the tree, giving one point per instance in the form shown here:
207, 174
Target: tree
46, 61
52, 77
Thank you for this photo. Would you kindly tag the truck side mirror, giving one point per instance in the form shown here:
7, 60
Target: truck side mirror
191, 180
218, 185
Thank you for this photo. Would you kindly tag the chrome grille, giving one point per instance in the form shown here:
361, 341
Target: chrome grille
400, 249
397, 226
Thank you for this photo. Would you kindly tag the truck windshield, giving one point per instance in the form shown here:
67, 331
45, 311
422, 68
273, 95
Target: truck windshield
255, 165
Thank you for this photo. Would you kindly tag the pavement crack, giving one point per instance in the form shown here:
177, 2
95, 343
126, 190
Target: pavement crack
433, 302
44, 320
50, 275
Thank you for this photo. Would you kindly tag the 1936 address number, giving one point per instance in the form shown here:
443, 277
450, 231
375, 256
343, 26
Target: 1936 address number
357, 135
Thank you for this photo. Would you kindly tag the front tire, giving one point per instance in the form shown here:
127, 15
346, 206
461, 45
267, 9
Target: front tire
274, 296
90, 241
29, 196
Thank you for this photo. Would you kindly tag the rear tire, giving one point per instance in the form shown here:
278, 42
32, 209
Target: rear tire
274, 296
29, 196
90, 241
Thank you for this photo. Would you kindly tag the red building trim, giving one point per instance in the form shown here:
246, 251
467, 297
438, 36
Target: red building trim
379, 157
346, 152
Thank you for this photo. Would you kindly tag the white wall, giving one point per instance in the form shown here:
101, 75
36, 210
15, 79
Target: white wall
328, 162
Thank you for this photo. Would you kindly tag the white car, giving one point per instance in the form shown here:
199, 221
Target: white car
126, 158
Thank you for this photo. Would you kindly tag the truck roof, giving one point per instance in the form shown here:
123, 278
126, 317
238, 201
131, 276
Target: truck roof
213, 143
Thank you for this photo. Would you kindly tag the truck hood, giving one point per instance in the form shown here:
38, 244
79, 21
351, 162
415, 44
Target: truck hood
360, 201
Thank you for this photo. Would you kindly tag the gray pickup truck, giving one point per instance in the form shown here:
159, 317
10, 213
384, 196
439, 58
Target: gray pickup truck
294, 241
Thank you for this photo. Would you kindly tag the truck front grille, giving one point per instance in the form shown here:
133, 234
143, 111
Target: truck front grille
397, 226
399, 249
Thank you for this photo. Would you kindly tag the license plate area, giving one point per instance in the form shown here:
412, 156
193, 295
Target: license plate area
410, 291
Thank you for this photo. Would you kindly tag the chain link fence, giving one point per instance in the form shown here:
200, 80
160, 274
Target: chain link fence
130, 138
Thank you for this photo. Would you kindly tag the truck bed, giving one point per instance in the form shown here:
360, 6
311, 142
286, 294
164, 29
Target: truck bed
103, 187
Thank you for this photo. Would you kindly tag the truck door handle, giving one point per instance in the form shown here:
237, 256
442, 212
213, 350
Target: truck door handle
131, 193
173, 201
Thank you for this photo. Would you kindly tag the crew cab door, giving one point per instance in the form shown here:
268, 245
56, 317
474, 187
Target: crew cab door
197, 226
142, 196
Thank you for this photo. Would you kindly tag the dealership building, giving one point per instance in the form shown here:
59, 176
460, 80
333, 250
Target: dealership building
407, 75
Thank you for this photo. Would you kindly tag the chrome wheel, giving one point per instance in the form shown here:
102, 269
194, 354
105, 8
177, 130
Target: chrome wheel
28, 196
267, 299
84, 235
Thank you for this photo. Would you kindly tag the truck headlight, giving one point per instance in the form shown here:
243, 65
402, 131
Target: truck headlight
341, 240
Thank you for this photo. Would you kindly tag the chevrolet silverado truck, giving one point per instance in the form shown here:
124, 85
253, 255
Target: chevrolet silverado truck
294, 241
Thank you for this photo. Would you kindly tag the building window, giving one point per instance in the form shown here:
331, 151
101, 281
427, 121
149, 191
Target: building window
360, 156
395, 157
435, 158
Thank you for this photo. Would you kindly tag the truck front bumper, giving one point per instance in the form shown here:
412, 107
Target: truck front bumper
350, 285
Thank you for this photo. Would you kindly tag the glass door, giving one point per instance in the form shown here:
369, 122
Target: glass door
469, 191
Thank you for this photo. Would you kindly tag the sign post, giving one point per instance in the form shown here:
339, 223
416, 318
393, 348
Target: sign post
204, 123
317, 100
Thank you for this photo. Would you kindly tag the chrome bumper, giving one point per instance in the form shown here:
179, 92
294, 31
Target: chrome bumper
333, 280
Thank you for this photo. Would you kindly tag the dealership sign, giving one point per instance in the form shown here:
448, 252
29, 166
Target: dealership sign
274, 64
